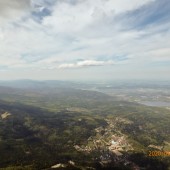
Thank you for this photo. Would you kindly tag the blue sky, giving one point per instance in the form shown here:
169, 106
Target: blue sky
85, 39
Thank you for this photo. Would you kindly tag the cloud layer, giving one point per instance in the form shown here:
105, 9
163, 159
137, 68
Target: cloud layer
13, 9
121, 36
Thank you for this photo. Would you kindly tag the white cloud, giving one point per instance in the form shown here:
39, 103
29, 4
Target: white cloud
68, 18
86, 63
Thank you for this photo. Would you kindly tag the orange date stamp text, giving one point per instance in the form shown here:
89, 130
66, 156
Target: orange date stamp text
159, 153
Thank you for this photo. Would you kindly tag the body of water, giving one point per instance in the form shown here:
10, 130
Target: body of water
156, 103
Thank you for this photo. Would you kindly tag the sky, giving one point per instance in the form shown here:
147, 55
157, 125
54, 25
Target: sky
85, 39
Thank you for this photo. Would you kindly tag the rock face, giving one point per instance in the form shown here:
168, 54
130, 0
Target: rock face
58, 166
71, 163
5, 115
